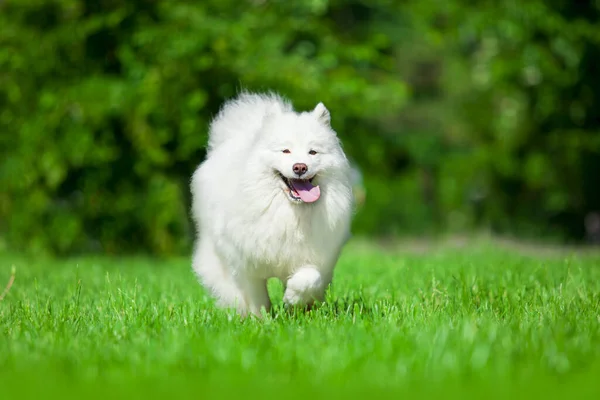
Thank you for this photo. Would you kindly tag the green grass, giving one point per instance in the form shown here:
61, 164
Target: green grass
477, 321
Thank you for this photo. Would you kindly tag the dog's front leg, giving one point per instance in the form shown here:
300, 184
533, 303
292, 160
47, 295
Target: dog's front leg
306, 286
256, 294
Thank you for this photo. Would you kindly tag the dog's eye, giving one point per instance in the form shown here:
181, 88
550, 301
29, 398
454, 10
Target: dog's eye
312, 152
286, 151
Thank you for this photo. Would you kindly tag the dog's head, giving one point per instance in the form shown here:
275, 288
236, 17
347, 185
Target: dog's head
302, 152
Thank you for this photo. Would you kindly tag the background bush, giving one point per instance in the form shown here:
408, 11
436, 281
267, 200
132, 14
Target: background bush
459, 114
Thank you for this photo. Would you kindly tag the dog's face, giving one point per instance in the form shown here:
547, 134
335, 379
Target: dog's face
302, 151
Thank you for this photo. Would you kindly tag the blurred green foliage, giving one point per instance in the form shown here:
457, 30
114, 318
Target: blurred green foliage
459, 114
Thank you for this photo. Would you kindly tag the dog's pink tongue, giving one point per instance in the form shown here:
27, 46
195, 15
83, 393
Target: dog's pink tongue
307, 192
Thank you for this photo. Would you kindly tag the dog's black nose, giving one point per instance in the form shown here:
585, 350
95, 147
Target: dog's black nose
299, 168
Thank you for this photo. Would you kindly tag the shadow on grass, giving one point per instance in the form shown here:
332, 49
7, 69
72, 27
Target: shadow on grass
342, 307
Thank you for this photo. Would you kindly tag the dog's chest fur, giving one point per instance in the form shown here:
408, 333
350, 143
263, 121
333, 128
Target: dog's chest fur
285, 237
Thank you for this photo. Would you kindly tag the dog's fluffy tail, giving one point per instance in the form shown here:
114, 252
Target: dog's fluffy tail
242, 115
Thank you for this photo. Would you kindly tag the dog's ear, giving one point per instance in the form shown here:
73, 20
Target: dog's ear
271, 111
322, 114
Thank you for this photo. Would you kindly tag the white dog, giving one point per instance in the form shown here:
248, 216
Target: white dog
273, 198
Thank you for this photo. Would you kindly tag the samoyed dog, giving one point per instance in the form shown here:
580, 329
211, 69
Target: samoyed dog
273, 198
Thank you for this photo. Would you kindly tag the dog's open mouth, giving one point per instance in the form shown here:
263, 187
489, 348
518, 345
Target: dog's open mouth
301, 190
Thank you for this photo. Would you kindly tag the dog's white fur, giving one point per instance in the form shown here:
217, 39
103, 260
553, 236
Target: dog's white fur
248, 228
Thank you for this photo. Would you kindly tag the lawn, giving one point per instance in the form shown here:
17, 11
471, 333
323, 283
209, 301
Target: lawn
473, 321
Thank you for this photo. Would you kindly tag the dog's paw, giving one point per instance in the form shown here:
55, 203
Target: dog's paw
304, 287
